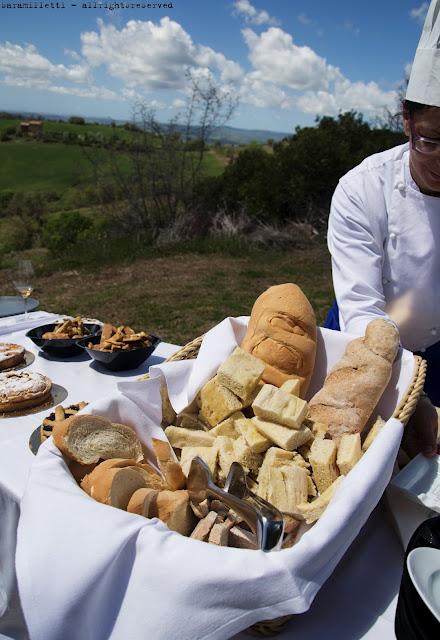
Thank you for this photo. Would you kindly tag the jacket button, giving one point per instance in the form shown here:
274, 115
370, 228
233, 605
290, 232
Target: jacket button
400, 186
393, 236
434, 331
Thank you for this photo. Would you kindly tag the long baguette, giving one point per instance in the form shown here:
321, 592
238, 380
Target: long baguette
354, 386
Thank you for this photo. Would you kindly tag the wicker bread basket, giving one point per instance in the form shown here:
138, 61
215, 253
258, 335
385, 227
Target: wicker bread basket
403, 412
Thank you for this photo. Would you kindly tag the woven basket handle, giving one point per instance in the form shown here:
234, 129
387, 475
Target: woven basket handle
409, 402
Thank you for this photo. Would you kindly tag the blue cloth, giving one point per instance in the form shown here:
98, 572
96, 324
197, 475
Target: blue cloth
332, 319
431, 355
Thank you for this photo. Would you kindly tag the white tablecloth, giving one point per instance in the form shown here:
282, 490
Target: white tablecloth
358, 601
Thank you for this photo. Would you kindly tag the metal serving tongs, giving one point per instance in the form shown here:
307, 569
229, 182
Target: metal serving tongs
264, 520
273, 520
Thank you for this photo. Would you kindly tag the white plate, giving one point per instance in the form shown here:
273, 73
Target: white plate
424, 569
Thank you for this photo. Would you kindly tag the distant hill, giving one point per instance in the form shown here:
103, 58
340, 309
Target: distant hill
233, 135
225, 135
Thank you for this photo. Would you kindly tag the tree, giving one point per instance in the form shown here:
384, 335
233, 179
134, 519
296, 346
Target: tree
157, 179
297, 180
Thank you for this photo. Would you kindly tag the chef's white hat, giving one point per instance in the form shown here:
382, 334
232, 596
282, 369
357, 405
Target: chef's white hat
424, 81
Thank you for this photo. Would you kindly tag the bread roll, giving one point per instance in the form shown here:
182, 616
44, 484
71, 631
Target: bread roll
86, 478
114, 486
87, 439
143, 502
354, 386
282, 333
80, 471
170, 468
173, 508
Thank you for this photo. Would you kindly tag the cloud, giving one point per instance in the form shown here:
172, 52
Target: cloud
98, 93
178, 103
230, 71
90, 91
24, 66
264, 94
143, 56
304, 19
69, 53
363, 97
275, 57
252, 15
26, 63
152, 56
285, 75
419, 13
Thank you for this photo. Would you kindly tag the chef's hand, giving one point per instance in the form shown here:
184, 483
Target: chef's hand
420, 433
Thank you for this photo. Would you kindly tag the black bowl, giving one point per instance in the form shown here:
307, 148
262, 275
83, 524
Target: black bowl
119, 360
62, 348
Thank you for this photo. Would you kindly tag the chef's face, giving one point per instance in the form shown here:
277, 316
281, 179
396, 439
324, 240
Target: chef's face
425, 156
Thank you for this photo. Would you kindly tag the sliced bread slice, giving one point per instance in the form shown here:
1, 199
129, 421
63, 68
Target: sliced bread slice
115, 486
88, 438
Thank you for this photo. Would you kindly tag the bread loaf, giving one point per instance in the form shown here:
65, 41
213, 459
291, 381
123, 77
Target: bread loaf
173, 508
87, 439
113, 486
86, 478
143, 502
354, 386
282, 333
170, 468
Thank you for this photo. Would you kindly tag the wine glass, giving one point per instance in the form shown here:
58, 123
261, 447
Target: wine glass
22, 278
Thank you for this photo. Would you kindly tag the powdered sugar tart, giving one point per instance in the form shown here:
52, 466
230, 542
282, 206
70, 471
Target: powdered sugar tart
23, 389
10, 354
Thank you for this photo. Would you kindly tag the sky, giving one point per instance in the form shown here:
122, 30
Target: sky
284, 61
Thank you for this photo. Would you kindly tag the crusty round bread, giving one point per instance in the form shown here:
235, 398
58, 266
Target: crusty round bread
23, 389
114, 486
88, 438
143, 502
10, 354
282, 333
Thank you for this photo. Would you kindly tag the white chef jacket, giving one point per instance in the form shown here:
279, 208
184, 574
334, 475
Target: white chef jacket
384, 239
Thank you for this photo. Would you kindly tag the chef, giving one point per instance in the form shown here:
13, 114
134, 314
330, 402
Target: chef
384, 235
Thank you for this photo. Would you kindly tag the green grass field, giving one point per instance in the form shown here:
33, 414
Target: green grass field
179, 294
51, 126
35, 166
28, 165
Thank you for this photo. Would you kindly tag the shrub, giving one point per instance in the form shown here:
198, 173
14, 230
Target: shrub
15, 235
5, 198
76, 120
63, 229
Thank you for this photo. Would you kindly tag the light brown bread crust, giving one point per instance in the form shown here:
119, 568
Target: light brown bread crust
113, 486
144, 502
356, 383
174, 509
87, 478
282, 333
170, 468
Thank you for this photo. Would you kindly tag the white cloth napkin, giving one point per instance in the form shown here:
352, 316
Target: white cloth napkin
86, 570
12, 324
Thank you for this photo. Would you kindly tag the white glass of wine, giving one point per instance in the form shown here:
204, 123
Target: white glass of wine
22, 279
